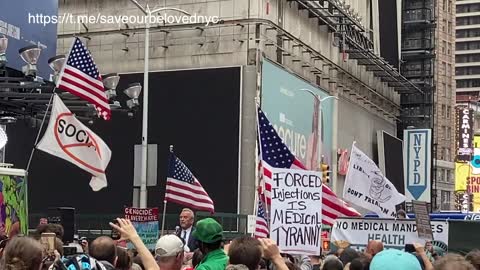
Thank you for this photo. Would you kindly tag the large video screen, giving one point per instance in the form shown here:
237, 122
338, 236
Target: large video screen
197, 111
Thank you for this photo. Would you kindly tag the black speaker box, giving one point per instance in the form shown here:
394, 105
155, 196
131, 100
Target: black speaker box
64, 216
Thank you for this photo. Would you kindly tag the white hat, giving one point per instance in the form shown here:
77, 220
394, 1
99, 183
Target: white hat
169, 245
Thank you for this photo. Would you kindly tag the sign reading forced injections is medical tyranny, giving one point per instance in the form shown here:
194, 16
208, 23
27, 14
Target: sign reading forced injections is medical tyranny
296, 211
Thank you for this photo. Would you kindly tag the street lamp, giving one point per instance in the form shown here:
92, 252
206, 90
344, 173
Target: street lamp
143, 176
3, 50
320, 100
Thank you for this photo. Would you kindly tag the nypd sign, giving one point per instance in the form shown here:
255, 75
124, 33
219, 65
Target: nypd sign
417, 164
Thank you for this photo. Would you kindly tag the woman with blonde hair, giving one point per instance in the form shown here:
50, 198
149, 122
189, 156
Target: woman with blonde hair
22, 253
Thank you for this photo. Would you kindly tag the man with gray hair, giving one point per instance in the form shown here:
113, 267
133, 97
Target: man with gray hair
169, 252
185, 232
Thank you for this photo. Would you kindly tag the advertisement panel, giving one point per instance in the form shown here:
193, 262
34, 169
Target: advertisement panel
417, 157
393, 233
467, 179
464, 134
13, 202
22, 22
388, 159
145, 221
297, 116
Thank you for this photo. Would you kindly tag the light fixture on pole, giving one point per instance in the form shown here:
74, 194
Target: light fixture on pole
320, 101
30, 55
3, 138
110, 81
133, 92
143, 174
3, 51
56, 64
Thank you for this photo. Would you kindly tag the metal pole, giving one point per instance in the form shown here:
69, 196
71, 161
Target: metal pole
40, 130
163, 215
334, 145
143, 177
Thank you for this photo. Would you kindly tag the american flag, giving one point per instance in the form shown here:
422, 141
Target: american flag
183, 188
261, 224
275, 154
80, 77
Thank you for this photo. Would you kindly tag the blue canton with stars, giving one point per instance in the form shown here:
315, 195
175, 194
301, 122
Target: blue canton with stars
274, 151
81, 59
179, 171
261, 212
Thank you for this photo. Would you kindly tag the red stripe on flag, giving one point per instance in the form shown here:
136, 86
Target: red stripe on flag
186, 187
80, 95
189, 205
185, 195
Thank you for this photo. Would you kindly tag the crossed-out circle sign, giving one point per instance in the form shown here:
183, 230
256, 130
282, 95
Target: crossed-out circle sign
73, 139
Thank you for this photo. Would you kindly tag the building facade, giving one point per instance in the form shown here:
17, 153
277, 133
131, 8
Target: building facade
333, 45
428, 50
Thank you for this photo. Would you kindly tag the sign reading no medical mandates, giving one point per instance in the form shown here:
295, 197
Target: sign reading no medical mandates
393, 233
296, 211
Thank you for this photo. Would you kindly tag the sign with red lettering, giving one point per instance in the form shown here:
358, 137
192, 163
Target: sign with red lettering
145, 221
464, 134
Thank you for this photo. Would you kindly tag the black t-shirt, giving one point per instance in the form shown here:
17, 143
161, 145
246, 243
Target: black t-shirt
316, 267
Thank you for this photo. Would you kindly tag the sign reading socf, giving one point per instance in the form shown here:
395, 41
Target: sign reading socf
417, 164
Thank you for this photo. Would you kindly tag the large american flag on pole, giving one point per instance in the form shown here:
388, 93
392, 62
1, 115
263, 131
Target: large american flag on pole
80, 77
275, 154
183, 188
261, 224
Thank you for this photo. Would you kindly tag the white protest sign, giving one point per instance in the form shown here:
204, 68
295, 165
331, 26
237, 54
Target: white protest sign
357, 232
251, 222
296, 211
366, 186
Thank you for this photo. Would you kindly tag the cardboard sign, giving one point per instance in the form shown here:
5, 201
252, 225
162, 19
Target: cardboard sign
296, 211
145, 221
422, 219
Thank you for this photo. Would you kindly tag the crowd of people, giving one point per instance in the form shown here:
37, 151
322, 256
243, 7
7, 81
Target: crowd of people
203, 247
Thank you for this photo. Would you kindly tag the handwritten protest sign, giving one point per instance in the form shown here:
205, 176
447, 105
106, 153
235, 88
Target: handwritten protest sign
366, 186
145, 221
422, 219
357, 232
296, 211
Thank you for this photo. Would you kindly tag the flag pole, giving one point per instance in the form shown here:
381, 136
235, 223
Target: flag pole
267, 212
165, 201
255, 210
40, 130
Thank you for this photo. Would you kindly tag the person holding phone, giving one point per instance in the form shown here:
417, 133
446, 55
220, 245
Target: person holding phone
128, 233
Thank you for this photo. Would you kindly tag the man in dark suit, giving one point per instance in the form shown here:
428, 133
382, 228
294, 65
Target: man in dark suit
185, 232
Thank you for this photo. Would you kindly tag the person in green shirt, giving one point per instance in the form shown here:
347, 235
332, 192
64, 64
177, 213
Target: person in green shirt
209, 234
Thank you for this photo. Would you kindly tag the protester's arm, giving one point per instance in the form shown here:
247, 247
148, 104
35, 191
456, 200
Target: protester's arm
272, 253
420, 249
128, 232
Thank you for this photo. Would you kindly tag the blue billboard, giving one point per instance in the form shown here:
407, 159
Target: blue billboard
303, 124
20, 23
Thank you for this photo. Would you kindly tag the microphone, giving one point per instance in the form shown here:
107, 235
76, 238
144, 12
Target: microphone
177, 229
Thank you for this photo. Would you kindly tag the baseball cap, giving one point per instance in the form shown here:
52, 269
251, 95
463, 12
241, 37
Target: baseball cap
394, 259
169, 245
208, 230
